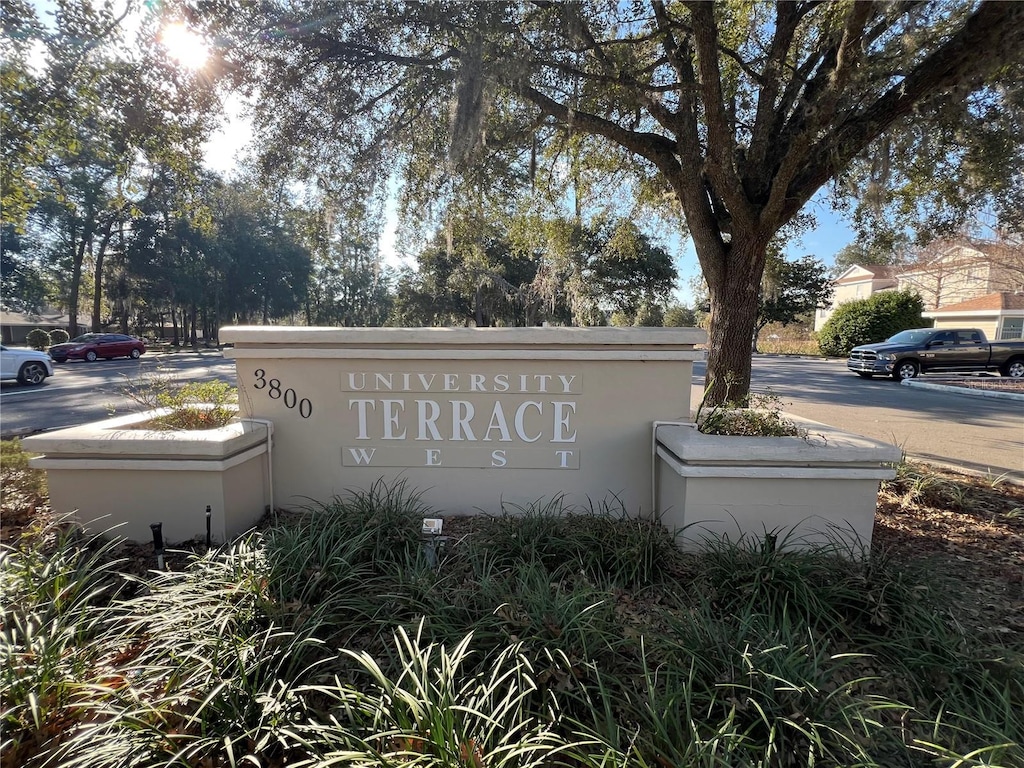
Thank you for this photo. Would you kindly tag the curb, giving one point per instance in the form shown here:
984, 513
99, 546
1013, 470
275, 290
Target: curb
969, 391
1011, 476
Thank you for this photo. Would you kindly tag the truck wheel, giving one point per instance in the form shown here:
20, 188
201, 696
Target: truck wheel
1014, 369
905, 369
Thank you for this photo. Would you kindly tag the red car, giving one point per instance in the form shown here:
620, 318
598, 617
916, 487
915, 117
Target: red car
90, 346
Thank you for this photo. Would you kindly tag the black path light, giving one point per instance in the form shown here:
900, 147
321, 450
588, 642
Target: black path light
158, 543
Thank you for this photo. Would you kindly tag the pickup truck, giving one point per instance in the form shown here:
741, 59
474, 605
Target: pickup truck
920, 350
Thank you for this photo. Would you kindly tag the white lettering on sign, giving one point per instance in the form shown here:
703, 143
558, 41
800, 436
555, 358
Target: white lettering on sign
483, 383
532, 416
362, 455
460, 456
427, 423
533, 420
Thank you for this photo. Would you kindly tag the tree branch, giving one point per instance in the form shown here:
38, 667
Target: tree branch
720, 133
994, 32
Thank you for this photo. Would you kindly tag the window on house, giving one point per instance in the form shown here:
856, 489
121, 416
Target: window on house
1013, 328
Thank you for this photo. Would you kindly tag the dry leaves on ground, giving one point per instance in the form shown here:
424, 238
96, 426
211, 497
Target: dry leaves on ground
968, 530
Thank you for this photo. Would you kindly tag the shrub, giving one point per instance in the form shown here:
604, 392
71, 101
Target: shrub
649, 316
678, 316
37, 338
59, 336
760, 415
870, 320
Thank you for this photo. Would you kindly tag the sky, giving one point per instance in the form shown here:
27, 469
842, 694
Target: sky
225, 147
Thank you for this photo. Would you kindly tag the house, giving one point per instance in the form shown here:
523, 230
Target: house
947, 273
14, 326
857, 282
1000, 315
951, 272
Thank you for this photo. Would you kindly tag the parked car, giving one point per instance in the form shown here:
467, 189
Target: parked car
90, 346
921, 350
28, 366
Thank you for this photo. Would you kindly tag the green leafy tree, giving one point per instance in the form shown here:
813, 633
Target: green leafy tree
90, 132
23, 286
739, 112
791, 290
649, 315
479, 279
630, 272
866, 321
349, 286
41, 106
678, 316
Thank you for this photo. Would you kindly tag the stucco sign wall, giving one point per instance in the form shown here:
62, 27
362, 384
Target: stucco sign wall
469, 417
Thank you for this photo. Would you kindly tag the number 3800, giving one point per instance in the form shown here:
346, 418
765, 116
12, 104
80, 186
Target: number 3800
276, 392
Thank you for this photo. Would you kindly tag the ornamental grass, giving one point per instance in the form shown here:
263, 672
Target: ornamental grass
545, 636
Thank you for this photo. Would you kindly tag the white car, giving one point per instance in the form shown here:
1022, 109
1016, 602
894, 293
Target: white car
28, 366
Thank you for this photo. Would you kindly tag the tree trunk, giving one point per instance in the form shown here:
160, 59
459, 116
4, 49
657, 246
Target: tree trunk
193, 317
78, 258
97, 285
733, 318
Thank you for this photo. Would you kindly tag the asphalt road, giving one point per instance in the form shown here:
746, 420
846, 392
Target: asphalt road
80, 392
984, 434
979, 433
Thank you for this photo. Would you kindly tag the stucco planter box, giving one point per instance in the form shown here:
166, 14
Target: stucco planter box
121, 476
810, 490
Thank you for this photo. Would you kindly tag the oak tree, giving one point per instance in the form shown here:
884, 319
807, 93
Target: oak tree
738, 111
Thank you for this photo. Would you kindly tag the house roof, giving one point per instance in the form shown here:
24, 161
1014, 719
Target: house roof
879, 270
46, 317
997, 302
876, 272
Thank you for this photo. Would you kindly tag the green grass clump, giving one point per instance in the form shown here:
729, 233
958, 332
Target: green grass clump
16, 477
54, 585
193, 405
540, 637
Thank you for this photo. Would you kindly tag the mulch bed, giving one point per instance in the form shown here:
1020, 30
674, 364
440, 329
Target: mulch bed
968, 533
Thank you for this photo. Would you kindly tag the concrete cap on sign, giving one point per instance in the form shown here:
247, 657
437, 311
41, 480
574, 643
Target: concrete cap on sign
129, 437
822, 445
531, 337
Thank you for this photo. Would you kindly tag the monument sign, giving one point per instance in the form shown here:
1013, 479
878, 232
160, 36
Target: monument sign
469, 417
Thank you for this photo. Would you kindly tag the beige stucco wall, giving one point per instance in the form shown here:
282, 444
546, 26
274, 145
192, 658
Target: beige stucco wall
469, 417
118, 475
989, 325
820, 488
126, 502
800, 511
